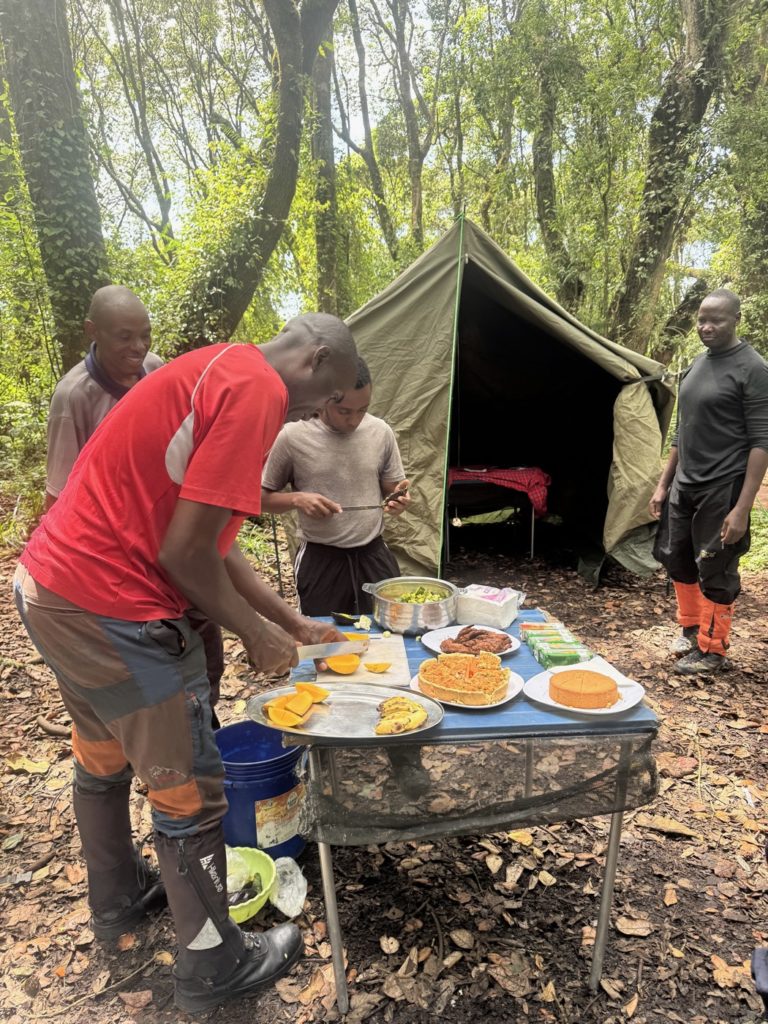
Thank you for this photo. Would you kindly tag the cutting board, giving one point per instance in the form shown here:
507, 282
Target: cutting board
382, 648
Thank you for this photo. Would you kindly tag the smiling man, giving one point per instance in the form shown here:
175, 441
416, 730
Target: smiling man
119, 331
143, 530
717, 461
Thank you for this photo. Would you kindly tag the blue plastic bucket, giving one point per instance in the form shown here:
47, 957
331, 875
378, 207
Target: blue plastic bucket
263, 789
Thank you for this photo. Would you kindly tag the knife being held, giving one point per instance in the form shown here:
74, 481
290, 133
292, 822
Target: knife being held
320, 651
382, 504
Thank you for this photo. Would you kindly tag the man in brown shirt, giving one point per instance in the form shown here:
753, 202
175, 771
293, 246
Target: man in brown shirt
120, 333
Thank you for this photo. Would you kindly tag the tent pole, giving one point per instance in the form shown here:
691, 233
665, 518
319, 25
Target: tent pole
444, 524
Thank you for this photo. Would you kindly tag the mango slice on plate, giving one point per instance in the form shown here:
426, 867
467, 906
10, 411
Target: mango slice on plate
377, 666
317, 693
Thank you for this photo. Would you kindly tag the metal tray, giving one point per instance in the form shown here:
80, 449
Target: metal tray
348, 713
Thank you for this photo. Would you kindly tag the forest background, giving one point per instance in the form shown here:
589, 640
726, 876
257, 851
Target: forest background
239, 161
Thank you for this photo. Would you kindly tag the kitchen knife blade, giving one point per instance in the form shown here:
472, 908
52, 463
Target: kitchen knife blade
337, 647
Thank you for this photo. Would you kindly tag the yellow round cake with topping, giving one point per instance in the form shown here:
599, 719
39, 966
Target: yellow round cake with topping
471, 679
583, 688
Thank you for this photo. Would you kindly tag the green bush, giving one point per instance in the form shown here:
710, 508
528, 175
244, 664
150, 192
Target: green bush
756, 558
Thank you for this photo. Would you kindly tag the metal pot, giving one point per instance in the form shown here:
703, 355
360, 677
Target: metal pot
414, 619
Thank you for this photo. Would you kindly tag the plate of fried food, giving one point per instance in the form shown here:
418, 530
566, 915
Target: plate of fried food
467, 680
345, 711
470, 640
593, 687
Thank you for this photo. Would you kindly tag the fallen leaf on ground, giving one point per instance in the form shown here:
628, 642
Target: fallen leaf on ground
136, 1000
634, 926
462, 938
666, 825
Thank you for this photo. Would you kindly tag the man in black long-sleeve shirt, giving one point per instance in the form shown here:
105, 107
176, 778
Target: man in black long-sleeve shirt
717, 462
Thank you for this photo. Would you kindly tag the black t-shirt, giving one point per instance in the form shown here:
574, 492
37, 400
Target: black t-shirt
723, 414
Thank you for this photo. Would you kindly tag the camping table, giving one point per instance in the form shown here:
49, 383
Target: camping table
533, 726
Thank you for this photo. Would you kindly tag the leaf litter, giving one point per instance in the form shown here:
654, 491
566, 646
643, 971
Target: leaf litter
493, 929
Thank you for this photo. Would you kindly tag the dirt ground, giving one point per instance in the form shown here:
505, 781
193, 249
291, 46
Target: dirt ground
494, 929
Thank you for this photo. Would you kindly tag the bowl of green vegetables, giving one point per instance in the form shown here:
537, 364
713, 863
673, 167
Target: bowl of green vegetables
413, 604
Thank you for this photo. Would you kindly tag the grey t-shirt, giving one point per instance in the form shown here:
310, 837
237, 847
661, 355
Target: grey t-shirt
723, 407
78, 406
347, 468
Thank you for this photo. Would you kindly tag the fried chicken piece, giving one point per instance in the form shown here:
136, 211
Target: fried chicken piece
471, 640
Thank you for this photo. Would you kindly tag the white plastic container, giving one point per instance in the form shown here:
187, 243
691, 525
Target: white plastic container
488, 605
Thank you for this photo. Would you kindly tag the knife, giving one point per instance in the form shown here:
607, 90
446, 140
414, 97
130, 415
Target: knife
382, 504
329, 650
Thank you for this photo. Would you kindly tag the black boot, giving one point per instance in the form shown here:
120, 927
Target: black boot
216, 962
122, 887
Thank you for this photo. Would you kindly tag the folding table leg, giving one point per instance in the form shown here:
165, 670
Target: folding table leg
329, 887
606, 899
334, 927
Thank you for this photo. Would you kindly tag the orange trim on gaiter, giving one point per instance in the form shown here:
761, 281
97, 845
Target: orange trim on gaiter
715, 627
689, 600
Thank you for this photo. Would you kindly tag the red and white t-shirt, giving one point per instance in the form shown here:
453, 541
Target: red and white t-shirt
199, 428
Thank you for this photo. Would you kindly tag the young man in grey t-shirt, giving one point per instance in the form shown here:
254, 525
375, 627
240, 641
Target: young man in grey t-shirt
342, 457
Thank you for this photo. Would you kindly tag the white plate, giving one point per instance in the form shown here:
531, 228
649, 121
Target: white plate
514, 686
630, 692
435, 637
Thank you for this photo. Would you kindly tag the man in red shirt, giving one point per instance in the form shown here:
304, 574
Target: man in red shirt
145, 528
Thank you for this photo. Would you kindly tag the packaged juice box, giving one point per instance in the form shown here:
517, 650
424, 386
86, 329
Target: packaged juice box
538, 627
549, 655
563, 636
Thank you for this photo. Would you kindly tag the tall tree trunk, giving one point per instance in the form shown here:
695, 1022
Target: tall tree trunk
367, 151
673, 139
570, 286
222, 293
326, 215
54, 157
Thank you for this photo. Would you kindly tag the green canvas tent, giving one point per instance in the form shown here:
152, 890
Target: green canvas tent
473, 364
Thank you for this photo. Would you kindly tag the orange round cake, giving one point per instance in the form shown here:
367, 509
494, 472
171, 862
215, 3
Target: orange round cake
582, 688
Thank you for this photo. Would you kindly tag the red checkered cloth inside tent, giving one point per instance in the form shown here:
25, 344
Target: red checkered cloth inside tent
530, 479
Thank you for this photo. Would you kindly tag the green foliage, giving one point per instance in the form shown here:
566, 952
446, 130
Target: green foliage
756, 559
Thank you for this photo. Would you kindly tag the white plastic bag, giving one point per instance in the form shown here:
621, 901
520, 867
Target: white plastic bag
291, 888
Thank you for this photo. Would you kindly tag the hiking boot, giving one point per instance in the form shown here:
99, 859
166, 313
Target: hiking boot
686, 641
267, 957
699, 662
108, 925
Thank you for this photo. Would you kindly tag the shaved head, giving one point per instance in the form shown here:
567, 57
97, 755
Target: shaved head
119, 328
112, 298
315, 354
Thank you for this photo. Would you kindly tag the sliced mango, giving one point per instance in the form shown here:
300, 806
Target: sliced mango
284, 718
299, 704
279, 702
344, 664
317, 693
377, 666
